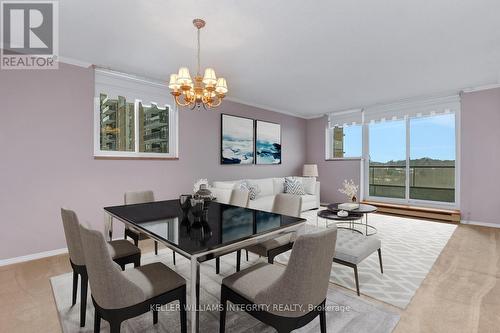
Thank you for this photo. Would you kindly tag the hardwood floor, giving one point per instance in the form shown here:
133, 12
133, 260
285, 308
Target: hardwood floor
460, 294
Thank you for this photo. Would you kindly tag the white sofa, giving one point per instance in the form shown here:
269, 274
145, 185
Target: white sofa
269, 187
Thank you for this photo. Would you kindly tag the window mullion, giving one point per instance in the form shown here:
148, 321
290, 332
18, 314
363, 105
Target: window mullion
136, 125
407, 180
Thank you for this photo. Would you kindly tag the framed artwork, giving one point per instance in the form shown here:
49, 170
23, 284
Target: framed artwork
268, 142
237, 140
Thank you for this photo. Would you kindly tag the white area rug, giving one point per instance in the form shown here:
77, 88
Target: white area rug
409, 249
347, 313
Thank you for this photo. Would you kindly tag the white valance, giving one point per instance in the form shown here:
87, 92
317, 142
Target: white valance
131, 87
412, 109
345, 118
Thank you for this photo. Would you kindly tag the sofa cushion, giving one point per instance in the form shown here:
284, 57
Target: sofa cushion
309, 184
354, 247
228, 185
265, 185
293, 185
222, 195
279, 185
262, 203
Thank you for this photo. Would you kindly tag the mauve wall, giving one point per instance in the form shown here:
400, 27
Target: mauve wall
480, 154
331, 173
46, 149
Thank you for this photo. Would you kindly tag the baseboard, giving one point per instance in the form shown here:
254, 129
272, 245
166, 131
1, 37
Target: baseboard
34, 256
482, 224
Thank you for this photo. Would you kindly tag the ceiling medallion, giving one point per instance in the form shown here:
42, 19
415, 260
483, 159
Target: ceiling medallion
207, 90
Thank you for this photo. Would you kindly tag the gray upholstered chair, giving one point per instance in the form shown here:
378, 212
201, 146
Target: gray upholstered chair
300, 288
122, 252
138, 197
120, 295
238, 198
353, 247
285, 204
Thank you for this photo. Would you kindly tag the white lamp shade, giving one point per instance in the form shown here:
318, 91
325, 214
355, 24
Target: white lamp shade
310, 170
173, 82
221, 87
184, 78
209, 78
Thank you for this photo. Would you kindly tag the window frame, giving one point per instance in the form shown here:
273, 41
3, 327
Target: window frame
407, 200
329, 144
136, 90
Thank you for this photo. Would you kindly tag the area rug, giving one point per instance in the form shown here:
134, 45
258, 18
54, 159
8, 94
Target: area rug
409, 249
346, 313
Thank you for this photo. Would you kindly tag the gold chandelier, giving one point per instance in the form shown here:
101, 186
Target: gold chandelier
207, 91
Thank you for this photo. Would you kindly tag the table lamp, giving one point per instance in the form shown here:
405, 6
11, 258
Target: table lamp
310, 170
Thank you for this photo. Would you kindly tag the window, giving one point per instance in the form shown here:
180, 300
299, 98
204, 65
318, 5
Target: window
387, 163
344, 135
346, 142
432, 158
410, 150
133, 118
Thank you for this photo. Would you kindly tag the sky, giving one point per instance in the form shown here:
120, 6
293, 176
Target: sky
432, 137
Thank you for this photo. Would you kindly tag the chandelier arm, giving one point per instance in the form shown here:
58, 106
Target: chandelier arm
219, 102
177, 100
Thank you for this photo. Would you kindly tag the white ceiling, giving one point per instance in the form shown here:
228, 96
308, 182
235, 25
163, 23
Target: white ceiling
295, 56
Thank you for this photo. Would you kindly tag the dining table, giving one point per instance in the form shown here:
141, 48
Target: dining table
200, 234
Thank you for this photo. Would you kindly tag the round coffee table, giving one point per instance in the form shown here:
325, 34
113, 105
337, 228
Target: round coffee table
354, 215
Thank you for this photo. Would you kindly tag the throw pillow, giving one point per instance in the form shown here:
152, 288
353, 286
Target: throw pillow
294, 186
253, 189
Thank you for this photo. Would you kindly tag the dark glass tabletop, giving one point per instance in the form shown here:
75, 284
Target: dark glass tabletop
363, 208
218, 225
330, 215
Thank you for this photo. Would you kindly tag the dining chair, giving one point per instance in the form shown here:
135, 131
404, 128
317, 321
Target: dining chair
138, 197
285, 297
120, 295
284, 204
122, 252
238, 198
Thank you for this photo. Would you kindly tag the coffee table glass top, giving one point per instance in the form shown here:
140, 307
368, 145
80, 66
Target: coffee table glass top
219, 225
363, 208
328, 214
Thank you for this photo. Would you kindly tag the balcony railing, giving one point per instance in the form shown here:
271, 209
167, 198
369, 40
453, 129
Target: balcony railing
432, 183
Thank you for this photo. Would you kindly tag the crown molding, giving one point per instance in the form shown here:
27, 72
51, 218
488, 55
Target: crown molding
267, 108
481, 88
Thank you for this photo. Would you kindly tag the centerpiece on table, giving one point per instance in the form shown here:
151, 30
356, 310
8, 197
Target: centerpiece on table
350, 190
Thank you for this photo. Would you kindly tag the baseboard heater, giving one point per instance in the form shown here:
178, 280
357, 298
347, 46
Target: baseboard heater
449, 215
